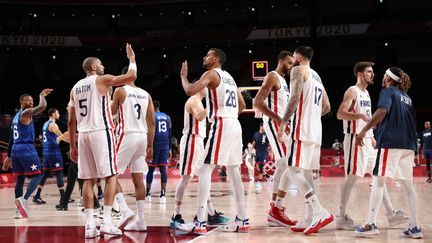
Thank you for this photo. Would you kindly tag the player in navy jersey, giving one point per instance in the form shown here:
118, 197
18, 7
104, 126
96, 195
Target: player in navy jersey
22, 155
52, 157
427, 148
260, 142
161, 151
396, 143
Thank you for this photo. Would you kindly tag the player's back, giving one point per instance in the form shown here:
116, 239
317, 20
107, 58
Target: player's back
92, 108
133, 111
306, 121
49, 139
22, 134
191, 125
223, 101
162, 131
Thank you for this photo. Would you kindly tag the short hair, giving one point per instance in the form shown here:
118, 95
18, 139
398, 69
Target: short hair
305, 51
51, 111
361, 66
125, 69
156, 104
284, 54
88, 62
219, 54
21, 98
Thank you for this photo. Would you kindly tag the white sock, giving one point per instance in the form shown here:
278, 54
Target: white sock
107, 214
238, 189
89, 216
305, 186
140, 209
281, 165
121, 201
308, 213
412, 198
346, 189
386, 202
204, 185
376, 198
279, 202
210, 208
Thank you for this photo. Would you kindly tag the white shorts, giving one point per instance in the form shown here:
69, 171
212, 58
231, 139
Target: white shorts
280, 149
96, 154
304, 155
191, 152
395, 163
224, 146
358, 159
131, 152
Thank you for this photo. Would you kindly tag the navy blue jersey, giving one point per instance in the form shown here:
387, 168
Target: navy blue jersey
397, 130
22, 134
163, 128
261, 143
49, 139
427, 140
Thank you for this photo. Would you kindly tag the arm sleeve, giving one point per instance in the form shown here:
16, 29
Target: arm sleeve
385, 99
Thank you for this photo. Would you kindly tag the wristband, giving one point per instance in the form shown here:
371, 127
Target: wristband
132, 66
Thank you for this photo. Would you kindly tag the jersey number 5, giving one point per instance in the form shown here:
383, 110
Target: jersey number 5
83, 106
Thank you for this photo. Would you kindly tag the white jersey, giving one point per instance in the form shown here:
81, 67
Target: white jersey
277, 100
306, 121
92, 109
223, 101
362, 105
191, 125
133, 111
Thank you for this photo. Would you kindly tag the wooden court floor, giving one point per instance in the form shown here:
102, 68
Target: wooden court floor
45, 224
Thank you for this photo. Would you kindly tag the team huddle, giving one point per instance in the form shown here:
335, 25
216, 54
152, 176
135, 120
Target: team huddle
118, 133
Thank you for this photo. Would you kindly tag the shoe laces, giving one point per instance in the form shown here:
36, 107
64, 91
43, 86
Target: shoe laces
284, 216
348, 219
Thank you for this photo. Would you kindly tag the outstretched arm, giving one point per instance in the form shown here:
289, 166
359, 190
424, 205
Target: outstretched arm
28, 113
377, 117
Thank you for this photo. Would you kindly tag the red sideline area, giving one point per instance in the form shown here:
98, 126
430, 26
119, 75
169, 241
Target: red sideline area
330, 167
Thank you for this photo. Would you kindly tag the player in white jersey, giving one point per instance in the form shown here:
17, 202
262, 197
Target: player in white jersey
355, 110
191, 153
307, 103
135, 133
271, 100
90, 115
224, 146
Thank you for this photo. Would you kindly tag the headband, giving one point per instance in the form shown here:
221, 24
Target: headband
393, 76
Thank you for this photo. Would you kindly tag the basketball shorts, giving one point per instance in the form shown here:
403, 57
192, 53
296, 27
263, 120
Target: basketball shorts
304, 155
427, 154
224, 146
261, 158
279, 148
358, 159
97, 156
25, 160
131, 152
160, 155
394, 163
52, 159
191, 152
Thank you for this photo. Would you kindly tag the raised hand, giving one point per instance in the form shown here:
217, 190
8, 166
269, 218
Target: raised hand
130, 52
184, 70
46, 92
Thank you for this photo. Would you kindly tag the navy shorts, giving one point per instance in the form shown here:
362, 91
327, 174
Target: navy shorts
428, 154
160, 156
261, 158
25, 160
53, 160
